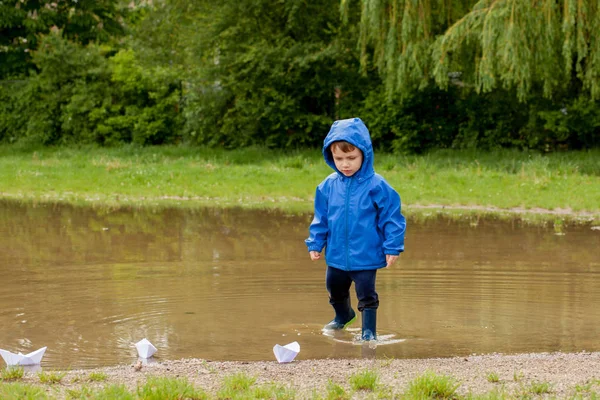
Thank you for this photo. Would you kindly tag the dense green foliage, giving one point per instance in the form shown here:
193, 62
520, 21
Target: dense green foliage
272, 73
422, 75
82, 96
487, 54
23, 22
530, 46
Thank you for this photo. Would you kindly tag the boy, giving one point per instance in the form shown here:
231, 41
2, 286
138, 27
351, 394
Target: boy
359, 221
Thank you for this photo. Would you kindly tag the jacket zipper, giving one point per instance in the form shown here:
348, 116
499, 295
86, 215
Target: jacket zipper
347, 201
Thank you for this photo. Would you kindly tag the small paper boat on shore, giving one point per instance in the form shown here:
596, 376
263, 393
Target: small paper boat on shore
287, 353
33, 358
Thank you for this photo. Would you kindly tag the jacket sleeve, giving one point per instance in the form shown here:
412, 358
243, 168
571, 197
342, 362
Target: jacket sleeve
390, 219
318, 230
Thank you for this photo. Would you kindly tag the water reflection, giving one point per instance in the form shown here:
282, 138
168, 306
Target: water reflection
229, 284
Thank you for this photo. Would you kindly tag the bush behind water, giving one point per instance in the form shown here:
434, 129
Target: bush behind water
100, 95
90, 94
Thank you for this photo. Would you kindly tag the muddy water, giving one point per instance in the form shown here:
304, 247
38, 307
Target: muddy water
230, 284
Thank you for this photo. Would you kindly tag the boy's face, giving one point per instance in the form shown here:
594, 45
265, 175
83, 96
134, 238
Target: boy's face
347, 163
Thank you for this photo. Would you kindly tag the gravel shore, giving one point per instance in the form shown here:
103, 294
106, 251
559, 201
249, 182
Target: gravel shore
562, 371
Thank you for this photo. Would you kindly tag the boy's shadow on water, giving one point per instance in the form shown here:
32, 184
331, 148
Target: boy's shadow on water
368, 351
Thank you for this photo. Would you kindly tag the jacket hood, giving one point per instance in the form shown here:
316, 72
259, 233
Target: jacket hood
355, 132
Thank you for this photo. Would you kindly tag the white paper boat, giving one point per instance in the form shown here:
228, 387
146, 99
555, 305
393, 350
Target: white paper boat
145, 349
287, 353
33, 358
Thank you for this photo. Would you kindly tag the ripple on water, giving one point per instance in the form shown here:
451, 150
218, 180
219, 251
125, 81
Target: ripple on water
353, 336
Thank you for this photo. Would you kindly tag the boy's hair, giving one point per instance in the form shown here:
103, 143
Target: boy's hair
343, 146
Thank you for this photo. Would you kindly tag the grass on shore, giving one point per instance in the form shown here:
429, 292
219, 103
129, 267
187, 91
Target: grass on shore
262, 178
365, 384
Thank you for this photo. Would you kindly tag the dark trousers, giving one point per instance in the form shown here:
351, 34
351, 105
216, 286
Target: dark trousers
338, 285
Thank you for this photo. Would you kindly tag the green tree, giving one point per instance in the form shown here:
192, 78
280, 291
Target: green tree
82, 21
87, 94
257, 71
525, 45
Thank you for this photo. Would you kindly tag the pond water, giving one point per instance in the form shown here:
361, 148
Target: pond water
230, 284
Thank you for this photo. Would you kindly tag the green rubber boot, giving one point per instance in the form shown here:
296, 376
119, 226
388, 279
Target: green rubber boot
344, 316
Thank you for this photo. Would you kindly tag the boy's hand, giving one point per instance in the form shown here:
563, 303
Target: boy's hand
390, 259
314, 255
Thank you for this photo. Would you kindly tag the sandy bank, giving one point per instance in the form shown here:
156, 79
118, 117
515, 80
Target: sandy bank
563, 371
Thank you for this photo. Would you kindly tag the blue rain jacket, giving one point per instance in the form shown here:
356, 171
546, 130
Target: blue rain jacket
357, 219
